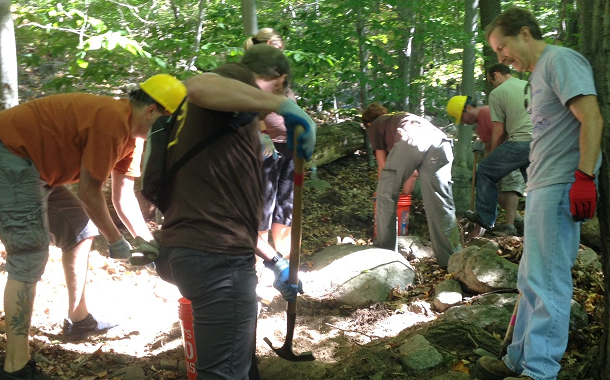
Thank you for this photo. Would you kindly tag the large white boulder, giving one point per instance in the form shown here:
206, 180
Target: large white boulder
358, 275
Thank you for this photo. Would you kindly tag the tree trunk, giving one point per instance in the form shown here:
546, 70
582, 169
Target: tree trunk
336, 141
8, 58
175, 10
416, 70
595, 45
198, 34
470, 30
364, 54
248, 14
488, 10
407, 16
463, 154
410, 59
567, 27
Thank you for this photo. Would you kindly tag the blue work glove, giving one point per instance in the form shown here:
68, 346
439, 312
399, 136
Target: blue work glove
268, 146
120, 249
293, 116
281, 271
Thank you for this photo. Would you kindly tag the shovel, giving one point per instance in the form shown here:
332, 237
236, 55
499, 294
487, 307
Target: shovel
285, 351
476, 148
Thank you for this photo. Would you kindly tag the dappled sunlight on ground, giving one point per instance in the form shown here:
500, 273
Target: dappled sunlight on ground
144, 306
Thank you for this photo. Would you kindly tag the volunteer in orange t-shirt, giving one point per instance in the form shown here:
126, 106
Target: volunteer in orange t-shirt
45, 144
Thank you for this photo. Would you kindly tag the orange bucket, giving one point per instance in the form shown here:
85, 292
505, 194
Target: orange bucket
185, 313
403, 209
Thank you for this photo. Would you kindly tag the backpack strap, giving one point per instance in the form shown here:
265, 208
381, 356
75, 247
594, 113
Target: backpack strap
236, 120
201, 145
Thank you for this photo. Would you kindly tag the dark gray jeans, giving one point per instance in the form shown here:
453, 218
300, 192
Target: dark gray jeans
222, 291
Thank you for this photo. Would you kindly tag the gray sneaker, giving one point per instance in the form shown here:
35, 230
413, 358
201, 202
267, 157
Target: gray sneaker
29, 372
75, 331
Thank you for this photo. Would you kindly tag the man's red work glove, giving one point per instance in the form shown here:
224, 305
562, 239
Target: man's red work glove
583, 197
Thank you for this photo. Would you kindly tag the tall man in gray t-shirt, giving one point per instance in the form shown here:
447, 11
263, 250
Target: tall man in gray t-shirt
565, 154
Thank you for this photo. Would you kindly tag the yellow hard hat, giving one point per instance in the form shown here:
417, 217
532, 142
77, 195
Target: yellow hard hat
455, 107
165, 90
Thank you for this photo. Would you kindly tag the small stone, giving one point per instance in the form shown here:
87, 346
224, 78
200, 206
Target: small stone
130, 373
168, 363
419, 355
446, 294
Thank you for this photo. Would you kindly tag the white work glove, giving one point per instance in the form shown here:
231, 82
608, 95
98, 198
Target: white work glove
293, 116
268, 146
144, 252
120, 249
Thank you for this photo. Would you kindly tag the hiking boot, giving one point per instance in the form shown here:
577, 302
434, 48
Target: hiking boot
494, 369
75, 331
29, 372
471, 216
519, 225
518, 221
504, 230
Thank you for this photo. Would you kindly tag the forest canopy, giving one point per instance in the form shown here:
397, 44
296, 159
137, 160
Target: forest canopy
406, 54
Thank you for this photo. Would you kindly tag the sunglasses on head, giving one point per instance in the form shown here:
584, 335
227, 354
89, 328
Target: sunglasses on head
527, 98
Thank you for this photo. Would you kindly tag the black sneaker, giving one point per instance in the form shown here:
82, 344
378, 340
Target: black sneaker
75, 331
471, 216
504, 230
29, 372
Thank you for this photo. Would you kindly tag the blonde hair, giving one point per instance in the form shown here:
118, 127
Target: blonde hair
263, 36
373, 111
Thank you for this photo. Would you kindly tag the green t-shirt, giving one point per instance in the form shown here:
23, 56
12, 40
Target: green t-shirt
507, 105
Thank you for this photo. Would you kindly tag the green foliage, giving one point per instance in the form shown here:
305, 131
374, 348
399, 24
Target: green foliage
76, 46
78, 43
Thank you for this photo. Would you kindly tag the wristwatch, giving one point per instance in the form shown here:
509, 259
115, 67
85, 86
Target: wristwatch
270, 263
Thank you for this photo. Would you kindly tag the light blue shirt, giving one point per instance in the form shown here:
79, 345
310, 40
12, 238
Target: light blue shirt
560, 75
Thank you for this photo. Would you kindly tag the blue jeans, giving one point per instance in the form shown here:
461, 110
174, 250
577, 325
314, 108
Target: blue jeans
508, 156
222, 291
551, 244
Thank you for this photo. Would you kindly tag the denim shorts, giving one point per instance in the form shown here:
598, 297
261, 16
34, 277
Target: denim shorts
32, 214
278, 186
